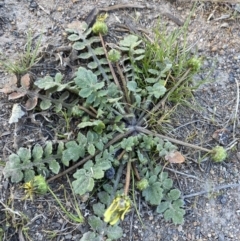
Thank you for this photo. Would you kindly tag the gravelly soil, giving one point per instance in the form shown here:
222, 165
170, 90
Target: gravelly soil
214, 33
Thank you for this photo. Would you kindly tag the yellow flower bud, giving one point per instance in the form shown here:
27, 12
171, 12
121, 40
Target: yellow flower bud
100, 27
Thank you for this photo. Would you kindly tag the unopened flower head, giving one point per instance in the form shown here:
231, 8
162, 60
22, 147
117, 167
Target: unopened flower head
219, 154
37, 185
143, 184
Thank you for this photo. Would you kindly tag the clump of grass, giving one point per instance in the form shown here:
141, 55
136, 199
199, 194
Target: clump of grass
26, 61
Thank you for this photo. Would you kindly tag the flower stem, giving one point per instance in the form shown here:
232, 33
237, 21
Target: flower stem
127, 181
148, 132
136, 171
109, 63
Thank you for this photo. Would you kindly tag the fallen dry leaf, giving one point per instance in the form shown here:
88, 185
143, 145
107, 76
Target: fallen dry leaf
26, 81
175, 157
77, 25
17, 95
31, 103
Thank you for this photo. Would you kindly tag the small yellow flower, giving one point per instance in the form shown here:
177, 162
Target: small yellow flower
37, 185
119, 207
28, 190
102, 17
100, 26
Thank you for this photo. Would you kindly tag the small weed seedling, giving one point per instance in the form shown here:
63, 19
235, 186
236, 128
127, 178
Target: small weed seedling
29, 58
119, 98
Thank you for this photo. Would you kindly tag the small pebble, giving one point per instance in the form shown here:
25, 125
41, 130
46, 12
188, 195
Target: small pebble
33, 5
223, 199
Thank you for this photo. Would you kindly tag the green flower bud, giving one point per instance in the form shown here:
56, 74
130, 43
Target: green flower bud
114, 55
100, 27
37, 185
195, 64
125, 157
40, 185
116, 163
144, 93
219, 154
143, 184
76, 111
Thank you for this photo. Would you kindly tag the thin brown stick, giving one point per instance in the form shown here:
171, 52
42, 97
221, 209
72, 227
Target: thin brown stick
181, 173
109, 63
145, 131
93, 109
127, 180
113, 72
124, 84
136, 171
121, 155
87, 111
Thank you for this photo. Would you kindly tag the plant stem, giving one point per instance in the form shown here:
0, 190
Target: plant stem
113, 74
134, 199
109, 63
181, 173
127, 180
117, 180
121, 155
124, 89
145, 131
70, 215
136, 171
87, 111
42, 97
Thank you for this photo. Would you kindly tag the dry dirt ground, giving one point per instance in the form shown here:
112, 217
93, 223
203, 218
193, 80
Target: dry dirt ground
214, 31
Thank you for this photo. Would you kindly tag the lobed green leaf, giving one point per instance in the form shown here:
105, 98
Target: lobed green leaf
153, 193
24, 154
54, 166
37, 153
114, 232
99, 209
84, 182
96, 223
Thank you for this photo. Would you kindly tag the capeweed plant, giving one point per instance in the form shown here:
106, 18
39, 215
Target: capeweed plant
114, 103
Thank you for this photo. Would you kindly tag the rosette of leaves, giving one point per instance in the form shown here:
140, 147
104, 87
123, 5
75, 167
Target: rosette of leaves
114, 116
